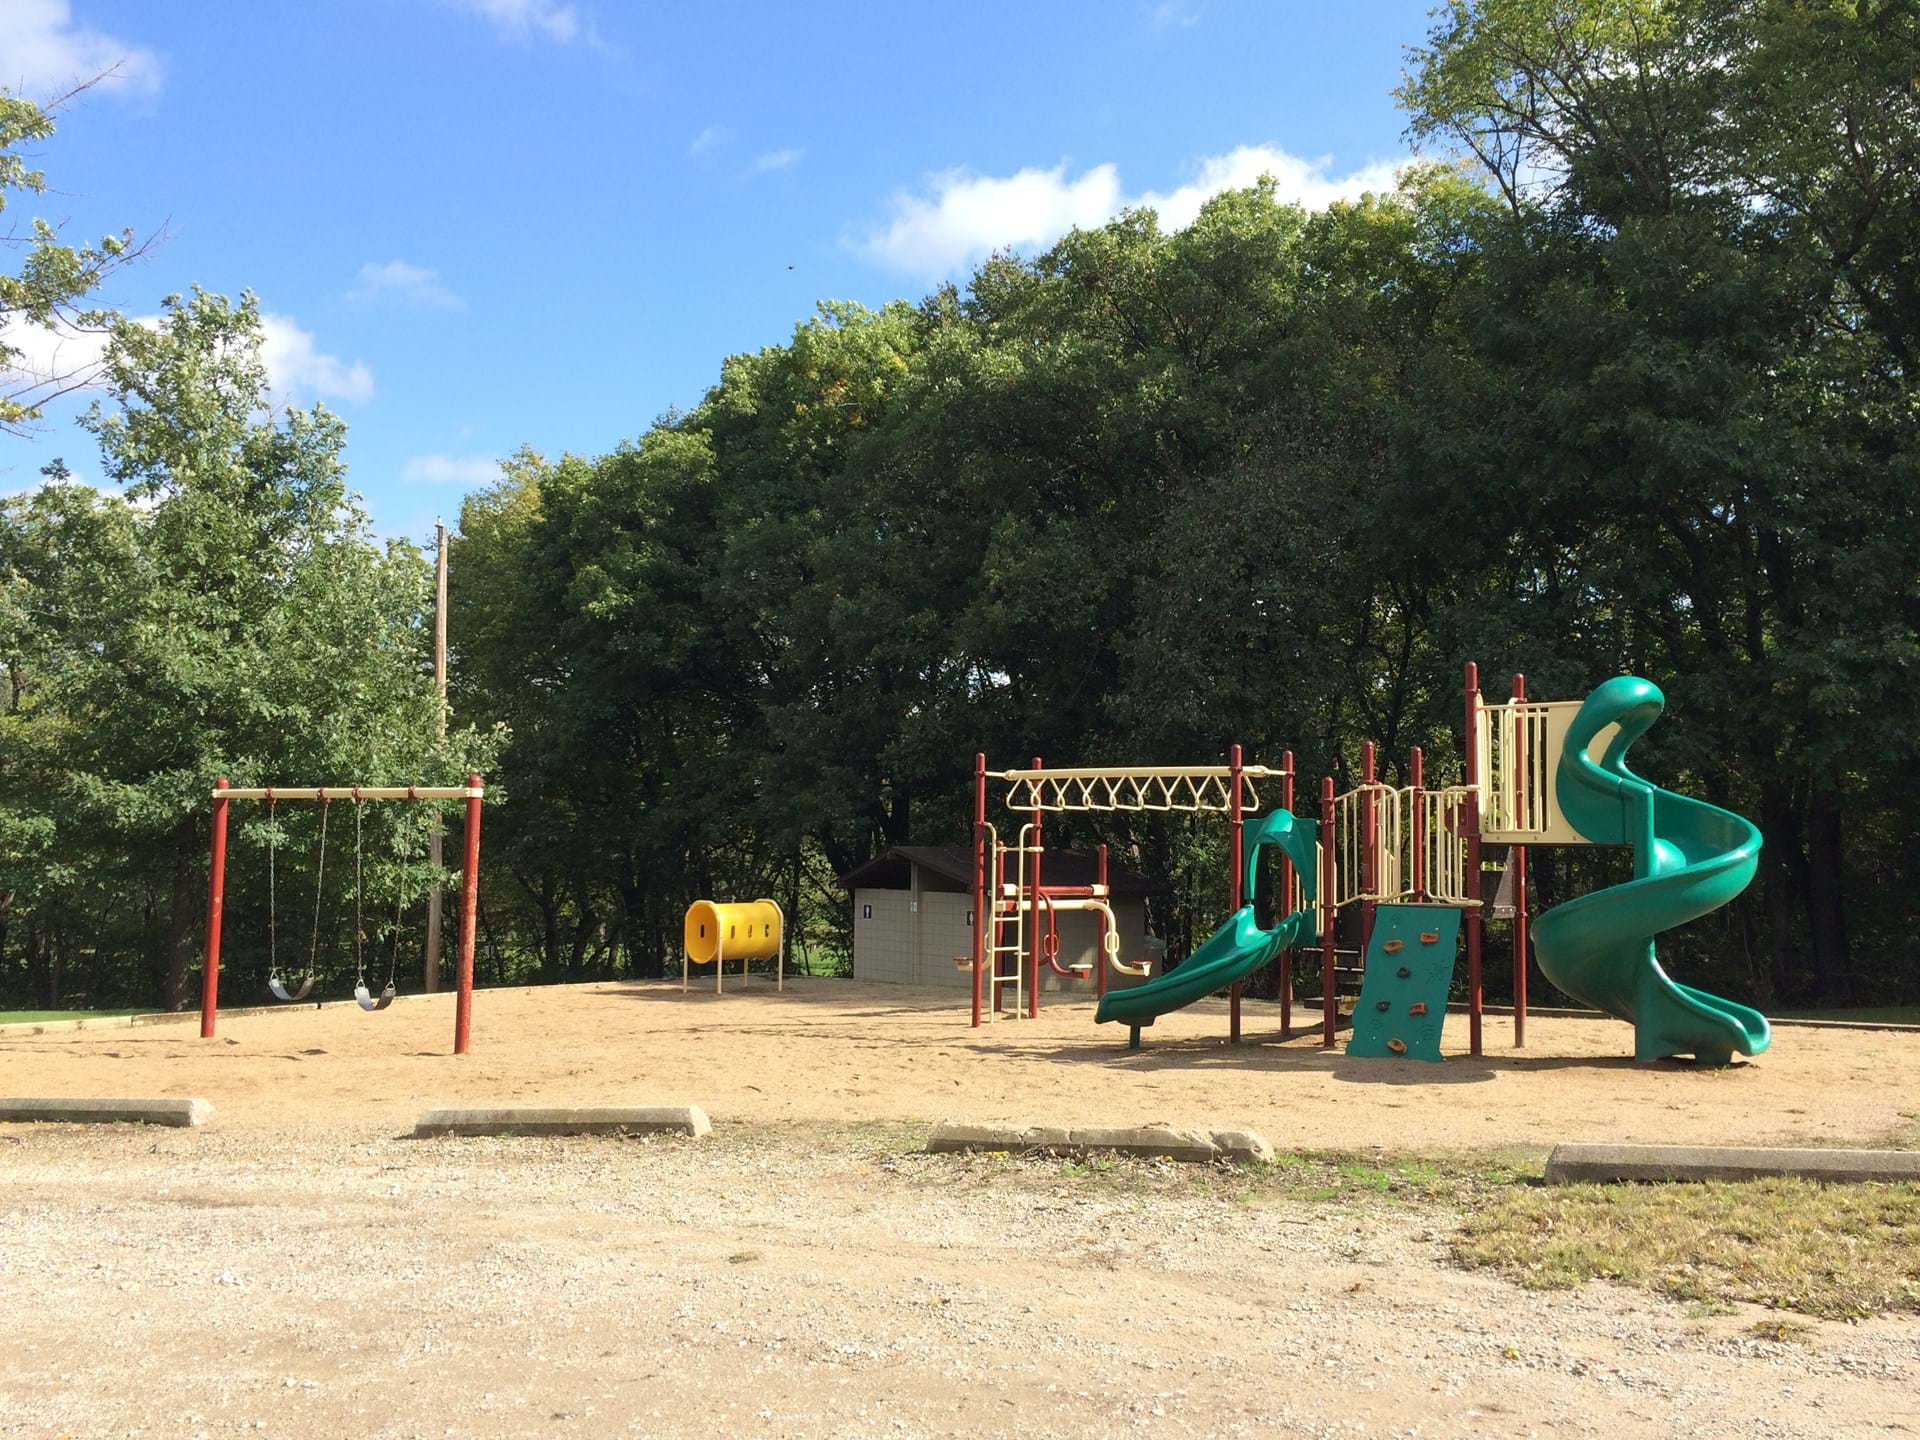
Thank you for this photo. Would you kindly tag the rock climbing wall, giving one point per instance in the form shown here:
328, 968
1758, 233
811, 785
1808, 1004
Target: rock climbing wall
1403, 993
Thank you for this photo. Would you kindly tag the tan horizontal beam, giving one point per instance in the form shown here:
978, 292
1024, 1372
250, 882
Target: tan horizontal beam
349, 792
1140, 772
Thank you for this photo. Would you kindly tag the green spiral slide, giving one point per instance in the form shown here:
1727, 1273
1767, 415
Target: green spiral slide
1689, 858
1237, 948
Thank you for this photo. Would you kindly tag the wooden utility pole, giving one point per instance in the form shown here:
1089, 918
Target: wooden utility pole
431, 979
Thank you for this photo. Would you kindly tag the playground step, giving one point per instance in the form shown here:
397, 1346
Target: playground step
1610, 1164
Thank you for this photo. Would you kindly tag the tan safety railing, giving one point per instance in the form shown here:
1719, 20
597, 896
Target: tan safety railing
1443, 832
1437, 832
1393, 822
1350, 845
1515, 750
1190, 789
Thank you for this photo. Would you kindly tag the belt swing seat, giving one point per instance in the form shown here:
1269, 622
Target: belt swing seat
362, 996
362, 993
274, 982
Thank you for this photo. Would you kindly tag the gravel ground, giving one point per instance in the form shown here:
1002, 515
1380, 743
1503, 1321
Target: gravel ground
811, 1281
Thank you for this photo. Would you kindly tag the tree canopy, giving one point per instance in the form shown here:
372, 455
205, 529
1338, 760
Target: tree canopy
1619, 378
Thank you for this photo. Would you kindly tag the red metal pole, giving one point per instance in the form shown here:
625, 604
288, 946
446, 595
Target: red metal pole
981, 919
469, 917
1517, 858
1471, 764
1416, 775
1284, 903
1100, 956
216, 903
1236, 849
1033, 968
1328, 1009
1369, 844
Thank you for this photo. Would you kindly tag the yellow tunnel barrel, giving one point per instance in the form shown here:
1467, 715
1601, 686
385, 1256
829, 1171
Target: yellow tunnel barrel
749, 930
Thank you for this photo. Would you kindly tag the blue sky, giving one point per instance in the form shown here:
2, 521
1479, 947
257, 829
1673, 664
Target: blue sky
482, 223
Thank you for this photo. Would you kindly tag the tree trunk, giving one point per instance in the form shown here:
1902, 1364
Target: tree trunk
36, 963
186, 897
1782, 877
1826, 906
550, 930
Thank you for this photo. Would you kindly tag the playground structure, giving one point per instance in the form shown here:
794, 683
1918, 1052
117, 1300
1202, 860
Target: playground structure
223, 795
1406, 862
1015, 935
714, 933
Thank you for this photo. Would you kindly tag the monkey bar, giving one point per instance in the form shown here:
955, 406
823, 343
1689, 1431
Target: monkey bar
223, 795
1189, 789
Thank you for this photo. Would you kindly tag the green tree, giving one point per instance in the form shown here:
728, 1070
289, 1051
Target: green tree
232, 616
51, 280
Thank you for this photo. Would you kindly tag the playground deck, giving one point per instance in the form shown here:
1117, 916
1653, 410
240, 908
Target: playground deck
836, 1051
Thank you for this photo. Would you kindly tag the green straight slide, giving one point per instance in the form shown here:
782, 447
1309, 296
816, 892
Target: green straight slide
1689, 858
1237, 948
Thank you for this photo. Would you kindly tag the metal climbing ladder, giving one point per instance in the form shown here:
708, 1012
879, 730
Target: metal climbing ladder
1006, 924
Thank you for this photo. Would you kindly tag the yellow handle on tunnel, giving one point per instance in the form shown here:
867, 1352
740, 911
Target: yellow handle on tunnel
749, 930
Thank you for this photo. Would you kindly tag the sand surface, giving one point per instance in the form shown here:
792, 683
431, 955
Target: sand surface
836, 1051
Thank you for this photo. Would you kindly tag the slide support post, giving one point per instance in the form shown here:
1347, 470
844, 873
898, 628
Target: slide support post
216, 903
1369, 842
1285, 977
1517, 858
469, 918
981, 919
1033, 964
1416, 777
1329, 914
1473, 917
1100, 959
1236, 842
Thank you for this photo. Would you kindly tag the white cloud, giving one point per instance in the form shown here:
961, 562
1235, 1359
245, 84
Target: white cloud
43, 53
528, 19
451, 470
969, 216
1177, 14
961, 218
1300, 181
55, 357
711, 138
774, 160
397, 281
296, 365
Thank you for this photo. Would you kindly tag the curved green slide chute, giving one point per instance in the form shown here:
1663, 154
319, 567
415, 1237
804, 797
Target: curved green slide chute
1237, 948
1689, 858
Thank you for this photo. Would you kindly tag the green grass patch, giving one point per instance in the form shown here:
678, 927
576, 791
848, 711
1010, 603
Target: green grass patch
35, 1017
1833, 1251
1320, 1178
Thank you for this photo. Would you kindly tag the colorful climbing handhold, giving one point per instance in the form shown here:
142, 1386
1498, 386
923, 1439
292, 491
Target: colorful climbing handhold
1394, 947
1417, 1008
1404, 973
1429, 937
1383, 1006
1397, 1046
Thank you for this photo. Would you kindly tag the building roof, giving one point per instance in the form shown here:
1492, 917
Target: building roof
953, 864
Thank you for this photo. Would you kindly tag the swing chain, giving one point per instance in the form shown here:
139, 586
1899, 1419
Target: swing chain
319, 886
359, 924
400, 900
273, 903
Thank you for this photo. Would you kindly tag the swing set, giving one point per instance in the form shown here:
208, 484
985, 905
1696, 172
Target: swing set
286, 987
